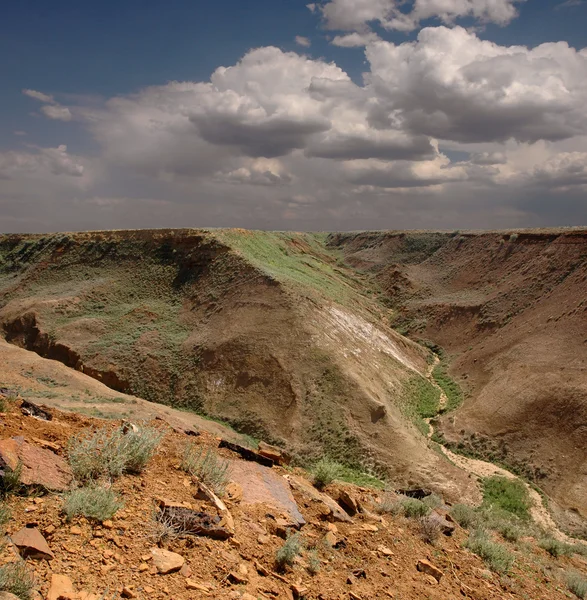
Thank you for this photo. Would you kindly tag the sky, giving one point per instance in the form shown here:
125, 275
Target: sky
279, 114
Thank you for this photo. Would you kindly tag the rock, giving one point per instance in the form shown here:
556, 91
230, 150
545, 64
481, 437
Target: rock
298, 590
348, 502
192, 585
128, 593
384, 550
330, 538
8, 596
310, 491
34, 410
234, 492
431, 580
197, 523
31, 544
185, 570
237, 577
165, 561
274, 453
40, 467
354, 596
75, 530
247, 453
205, 493
61, 588
427, 567
446, 527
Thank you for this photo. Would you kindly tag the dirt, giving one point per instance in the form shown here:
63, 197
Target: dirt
369, 557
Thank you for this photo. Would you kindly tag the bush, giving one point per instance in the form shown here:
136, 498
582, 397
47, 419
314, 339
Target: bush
324, 471
389, 504
207, 466
510, 495
94, 502
286, 555
4, 514
510, 532
577, 584
433, 501
429, 529
16, 579
413, 508
495, 555
314, 563
10, 482
112, 452
163, 529
464, 515
556, 548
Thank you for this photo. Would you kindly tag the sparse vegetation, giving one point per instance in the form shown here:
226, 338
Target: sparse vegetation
555, 547
94, 502
389, 504
314, 563
291, 548
420, 401
17, 579
507, 494
432, 501
497, 556
466, 516
10, 483
577, 584
449, 386
429, 529
207, 466
413, 508
5, 514
324, 472
162, 529
112, 452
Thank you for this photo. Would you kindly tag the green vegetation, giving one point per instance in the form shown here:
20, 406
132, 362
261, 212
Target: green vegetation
112, 452
5, 515
577, 584
10, 483
314, 563
466, 516
292, 548
556, 548
207, 466
94, 502
507, 494
324, 472
413, 508
449, 386
420, 401
496, 556
16, 578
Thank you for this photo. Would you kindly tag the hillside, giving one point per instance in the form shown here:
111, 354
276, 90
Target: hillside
268, 331
509, 310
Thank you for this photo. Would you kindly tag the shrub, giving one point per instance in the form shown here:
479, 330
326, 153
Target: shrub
207, 466
495, 555
464, 515
163, 529
389, 504
112, 452
94, 502
17, 579
413, 508
510, 532
10, 482
507, 494
577, 584
429, 529
556, 548
433, 501
4, 514
324, 472
286, 555
314, 563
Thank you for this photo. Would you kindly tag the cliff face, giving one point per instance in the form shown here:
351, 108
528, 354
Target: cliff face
510, 309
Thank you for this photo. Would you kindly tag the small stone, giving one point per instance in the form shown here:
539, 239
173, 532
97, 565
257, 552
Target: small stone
49, 530
299, 591
143, 567
8, 596
427, 567
385, 551
192, 585
148, 589
431, 580
369, 527
237, 578
166, 562
330, 538
75, 530
108, 524
128, 593
185, 570
61, 588
348, 502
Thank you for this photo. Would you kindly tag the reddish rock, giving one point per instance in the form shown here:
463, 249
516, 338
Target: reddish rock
39, 466
31, 543
166, 562
348, 502
427, 567
61, 588
310, 491
274, 453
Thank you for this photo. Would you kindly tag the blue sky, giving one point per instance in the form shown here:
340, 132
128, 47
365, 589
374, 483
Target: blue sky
81, 55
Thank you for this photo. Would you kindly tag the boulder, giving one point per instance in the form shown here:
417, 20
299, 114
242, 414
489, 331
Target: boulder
165, 561
308, 490
442, 520
40, 467
8, 596
31, 544
348, 502
274, 453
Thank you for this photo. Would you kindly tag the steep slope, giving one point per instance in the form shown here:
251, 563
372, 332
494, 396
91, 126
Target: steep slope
510, 310
265, 330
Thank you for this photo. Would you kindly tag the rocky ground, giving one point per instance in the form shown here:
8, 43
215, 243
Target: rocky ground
347, 548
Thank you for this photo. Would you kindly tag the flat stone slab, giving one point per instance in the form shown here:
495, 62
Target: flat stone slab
262, 485
308, 490
39, 466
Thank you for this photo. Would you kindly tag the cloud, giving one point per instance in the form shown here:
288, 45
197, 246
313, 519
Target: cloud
569, 4
354, 40
449, 84
57, 112
44, 161
489, 158
357, 15
19, 132
303, 41
39, 96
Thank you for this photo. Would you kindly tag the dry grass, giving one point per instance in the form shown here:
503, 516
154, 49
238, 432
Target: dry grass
207, 466
94, 502
286, 555
17, 579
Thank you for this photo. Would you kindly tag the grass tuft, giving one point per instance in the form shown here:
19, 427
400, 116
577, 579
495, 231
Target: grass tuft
414, 509
507, 494
429, 529
10, 483
286, 555
17, 579
555, 547
577, 584
207, 466
94, 502
324, 472
464, 515
496, 556
112, 452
